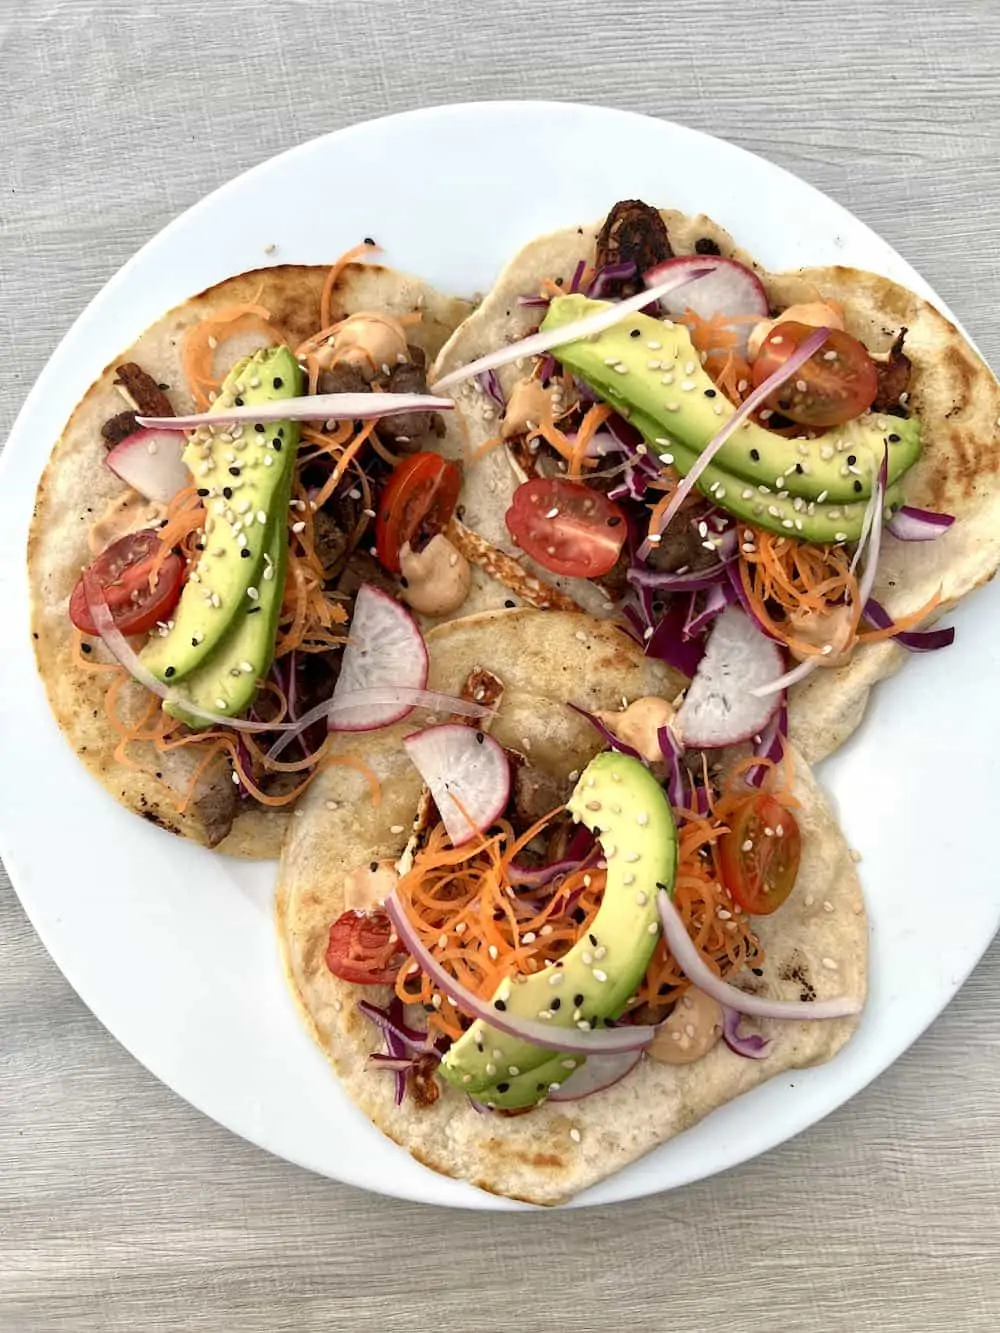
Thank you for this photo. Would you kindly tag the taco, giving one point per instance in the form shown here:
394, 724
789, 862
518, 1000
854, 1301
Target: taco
470, 914
603, 457
237, 618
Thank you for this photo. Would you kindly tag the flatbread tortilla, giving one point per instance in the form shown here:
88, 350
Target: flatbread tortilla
953, 392
76, 488
816, 944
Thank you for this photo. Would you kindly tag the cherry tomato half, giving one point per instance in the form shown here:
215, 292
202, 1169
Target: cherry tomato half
834, 386
761, 876
418, 500
362, 949
123, 571
567, 527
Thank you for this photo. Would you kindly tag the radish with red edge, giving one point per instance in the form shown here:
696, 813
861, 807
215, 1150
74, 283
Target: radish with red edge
730, 288
467, 773
720, 707
150, 462
385, 651
599, 1072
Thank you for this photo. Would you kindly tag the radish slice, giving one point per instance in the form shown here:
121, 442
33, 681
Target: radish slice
720, 707
694, 967
602, 1041
314, 407
150, 462
729, 289
385, 652
545, 340
467, 773
600, 1072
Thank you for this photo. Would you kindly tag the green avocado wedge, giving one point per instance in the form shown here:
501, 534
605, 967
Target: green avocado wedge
621, 802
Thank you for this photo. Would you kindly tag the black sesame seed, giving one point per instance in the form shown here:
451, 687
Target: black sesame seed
556, 1004
252, 610
227, 491
480, 737
499, 1004
164, 388
259, 427
245, 553
277, 446
194, 643
614, 522
203, 491
169, 672
373, 866
579, 915
851, 459
593, 940
510, 604
755, 455
277, 381
757, 971
893, 439
560, 281
503, 1087
238, 402
709, 393
86, 648
540, 1087
858, 486
798, 468
234, 472
281, 432
635, 333
578, 1000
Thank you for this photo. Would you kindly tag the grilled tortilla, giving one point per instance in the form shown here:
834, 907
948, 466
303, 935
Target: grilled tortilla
76, 489
556, 1150
952, 391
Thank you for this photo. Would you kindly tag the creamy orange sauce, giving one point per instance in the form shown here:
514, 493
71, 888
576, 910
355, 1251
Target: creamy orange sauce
690, 1032
126, 513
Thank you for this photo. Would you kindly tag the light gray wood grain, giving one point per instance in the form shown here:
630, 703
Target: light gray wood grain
123, 1209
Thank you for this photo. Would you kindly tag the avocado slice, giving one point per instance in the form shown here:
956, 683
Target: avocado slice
242, 473
650, 367
782, 512
621, 802
228, 681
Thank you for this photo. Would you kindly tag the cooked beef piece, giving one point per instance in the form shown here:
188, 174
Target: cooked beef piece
535, 791
361, 568
119, 428
144, 391
409, 431
330, 541
216, 802
680, 546
421, 1083
343, 379
615, 581
893, 377
706, 246
633, 232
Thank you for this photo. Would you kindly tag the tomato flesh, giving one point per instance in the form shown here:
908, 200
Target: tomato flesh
835, 385
567, 527
363, 949
417, 503
123, 571
759, 856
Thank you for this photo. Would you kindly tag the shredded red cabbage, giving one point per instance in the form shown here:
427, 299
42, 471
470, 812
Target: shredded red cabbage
392, 1021
610, 273
491, 386
917, 641
668, 644
677, 785
717, 598
581, 269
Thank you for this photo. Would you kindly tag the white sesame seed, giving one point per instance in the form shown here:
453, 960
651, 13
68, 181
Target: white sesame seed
298, 527
652, 928
599, 975
829, 964
253, 594
575, 1135
220, 704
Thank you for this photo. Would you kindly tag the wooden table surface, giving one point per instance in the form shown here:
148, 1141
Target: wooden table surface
121, 1208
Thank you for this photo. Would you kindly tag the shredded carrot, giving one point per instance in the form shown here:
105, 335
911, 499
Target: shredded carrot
202, 338
185, 521
481, 450
330, 485
336, 269
589, 426
902, 623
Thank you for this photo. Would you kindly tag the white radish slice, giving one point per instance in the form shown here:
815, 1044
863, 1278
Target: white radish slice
467, 773
314, 407
600, 1072
730, 288
385, 652
720, 707
150, 462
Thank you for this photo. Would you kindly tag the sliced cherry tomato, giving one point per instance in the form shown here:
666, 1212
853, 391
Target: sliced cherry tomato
760, 855
834, 386
567, 527
418, 500
362, 949
123, 571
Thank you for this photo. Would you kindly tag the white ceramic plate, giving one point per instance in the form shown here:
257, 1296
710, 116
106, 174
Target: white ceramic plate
172, 947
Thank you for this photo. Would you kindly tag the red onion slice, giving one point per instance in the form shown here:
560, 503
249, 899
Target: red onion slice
599, 1072
601, 1041
119, 648
468, 774
909, 524
150, 462
546, 339
723, 705
917, 640
785, 372
751, 1045
312, 407
694, 967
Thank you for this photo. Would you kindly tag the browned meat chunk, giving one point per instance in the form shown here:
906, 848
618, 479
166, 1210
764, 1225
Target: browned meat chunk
535, 792
893, 378
343, 379
632, 233
409, 431
215, 804
144, 391
361, 568
330, 541
119, 428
